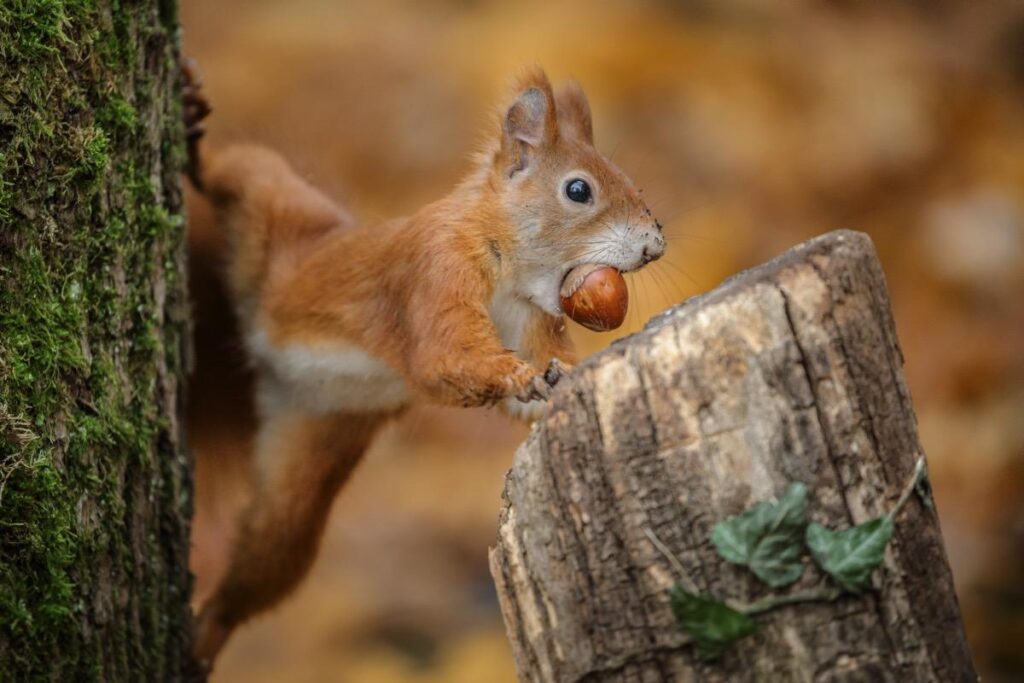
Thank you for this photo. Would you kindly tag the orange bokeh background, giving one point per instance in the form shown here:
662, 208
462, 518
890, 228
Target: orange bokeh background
751, 125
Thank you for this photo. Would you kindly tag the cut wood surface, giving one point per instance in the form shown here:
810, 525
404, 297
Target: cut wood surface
788, 372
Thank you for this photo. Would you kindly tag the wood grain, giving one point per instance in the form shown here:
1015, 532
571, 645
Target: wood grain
788, 372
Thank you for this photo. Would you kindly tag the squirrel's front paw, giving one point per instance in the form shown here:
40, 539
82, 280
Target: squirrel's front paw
534, 386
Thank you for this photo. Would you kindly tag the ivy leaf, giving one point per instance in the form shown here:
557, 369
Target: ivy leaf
713, 625
767, 538
849, 556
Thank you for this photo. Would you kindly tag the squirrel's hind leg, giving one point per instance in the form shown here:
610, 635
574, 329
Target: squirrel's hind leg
301, 462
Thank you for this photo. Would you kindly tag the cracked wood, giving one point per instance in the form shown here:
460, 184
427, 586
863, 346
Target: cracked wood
787, 372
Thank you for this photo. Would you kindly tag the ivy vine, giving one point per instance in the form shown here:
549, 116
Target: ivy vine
770, 540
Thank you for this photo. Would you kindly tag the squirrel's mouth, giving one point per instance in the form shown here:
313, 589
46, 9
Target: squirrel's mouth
570, 271
575, 277
544, 289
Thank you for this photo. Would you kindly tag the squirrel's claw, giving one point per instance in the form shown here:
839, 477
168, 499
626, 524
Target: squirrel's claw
556, 370
196, 108
540, 386
537, 390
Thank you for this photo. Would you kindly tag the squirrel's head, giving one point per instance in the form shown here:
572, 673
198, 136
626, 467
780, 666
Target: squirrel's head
564, 202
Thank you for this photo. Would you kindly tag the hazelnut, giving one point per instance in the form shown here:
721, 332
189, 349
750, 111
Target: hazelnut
595, 296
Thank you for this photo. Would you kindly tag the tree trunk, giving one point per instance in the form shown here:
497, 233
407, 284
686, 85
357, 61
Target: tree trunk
788, 372
95, 491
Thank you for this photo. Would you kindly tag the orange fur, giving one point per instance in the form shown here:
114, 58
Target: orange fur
302, 461
346, 324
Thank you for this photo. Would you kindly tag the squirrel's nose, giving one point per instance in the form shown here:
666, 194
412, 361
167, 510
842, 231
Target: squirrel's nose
654, 248
653, 253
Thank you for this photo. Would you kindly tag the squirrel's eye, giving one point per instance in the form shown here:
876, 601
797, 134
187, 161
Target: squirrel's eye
578, 190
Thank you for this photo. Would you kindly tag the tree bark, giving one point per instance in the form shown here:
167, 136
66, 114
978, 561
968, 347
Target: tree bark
788, 372
95, 490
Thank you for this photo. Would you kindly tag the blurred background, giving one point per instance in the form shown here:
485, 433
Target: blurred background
751, 125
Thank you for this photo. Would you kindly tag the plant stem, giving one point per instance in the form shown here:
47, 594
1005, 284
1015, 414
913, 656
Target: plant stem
770, 602
915, 478
684, 578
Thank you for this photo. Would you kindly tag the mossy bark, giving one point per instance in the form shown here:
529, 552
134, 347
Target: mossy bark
95, 491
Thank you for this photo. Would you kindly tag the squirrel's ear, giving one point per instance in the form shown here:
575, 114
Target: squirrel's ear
574, 111
530, 125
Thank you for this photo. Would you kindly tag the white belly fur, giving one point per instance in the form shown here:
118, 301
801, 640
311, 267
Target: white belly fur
341, 377
510, 315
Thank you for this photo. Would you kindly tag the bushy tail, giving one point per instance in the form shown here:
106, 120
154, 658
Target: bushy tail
262, 206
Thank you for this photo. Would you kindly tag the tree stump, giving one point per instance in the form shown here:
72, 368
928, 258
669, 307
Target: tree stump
787, 372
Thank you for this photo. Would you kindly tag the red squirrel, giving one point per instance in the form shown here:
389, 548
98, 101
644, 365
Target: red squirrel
345, 324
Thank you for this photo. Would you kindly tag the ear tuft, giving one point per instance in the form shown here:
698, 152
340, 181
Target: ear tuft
526, 118
531, 123
574, 111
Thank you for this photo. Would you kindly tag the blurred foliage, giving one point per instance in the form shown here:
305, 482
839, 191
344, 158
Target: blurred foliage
751, 125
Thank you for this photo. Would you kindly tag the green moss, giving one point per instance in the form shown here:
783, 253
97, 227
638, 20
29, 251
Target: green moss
93, 157
84, 229
118, 114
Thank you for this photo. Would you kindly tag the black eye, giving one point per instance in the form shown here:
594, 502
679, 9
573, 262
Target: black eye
578, 190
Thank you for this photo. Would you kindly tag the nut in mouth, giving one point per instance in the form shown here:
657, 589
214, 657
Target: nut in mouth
595, 296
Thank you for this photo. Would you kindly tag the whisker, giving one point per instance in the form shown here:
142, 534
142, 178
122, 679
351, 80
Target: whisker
633, 319
675, 234
611, 157
639, 299
645, 316
653, 305
680, 271
668, 299
659, 290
